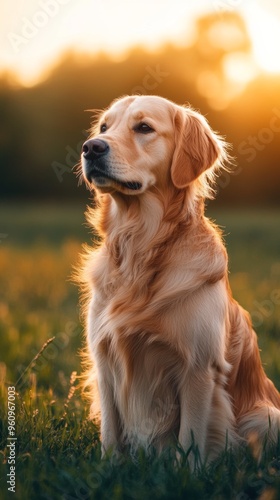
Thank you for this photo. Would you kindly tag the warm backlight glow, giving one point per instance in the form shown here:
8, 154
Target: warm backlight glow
38, 35
35, 34
239, 67
264, 29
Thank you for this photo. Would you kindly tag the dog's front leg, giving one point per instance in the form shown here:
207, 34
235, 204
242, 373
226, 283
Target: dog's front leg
195, 405
109, 416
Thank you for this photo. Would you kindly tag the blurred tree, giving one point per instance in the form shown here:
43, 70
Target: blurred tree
219, 40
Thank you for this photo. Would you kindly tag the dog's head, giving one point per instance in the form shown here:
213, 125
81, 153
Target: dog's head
144, 141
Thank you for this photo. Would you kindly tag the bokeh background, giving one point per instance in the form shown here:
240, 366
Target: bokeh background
59, 59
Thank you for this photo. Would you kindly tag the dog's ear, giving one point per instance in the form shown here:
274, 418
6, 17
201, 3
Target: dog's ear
197, 148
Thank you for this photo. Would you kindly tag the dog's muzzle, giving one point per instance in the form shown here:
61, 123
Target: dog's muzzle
94, 152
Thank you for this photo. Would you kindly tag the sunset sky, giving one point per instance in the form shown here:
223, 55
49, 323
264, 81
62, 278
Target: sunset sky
35, 34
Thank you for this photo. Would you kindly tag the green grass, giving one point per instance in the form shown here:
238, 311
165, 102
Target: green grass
58, 449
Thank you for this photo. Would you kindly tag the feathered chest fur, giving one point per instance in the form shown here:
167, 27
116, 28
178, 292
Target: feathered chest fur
155, 293
145, 309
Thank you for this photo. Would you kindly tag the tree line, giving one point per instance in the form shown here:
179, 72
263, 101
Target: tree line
42, 128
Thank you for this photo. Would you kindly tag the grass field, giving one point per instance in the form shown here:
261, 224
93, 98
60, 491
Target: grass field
58, 449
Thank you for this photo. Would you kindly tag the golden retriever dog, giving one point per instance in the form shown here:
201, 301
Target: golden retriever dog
175, 356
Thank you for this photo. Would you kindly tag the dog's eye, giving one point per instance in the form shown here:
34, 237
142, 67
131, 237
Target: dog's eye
103, 128
143, 128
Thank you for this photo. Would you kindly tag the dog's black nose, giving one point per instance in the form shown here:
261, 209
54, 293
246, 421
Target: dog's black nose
94, 148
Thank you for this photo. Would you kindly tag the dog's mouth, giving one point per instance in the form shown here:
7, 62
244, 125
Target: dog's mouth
101, 179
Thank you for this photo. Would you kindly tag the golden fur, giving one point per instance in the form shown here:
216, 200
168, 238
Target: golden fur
176, 357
